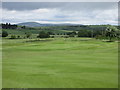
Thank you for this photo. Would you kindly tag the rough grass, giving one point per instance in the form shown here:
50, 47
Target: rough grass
60, 63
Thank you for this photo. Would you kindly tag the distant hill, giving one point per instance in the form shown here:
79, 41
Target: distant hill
35, 24
31, 24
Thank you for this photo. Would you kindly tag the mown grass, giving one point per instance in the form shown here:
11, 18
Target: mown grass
0, 63
60, 63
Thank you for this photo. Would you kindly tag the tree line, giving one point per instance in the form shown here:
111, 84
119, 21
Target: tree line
9, 26
107, 33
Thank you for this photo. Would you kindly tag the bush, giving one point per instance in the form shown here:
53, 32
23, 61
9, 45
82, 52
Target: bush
4, 34
42, 34
52, 36
66, 36
18, 36
99, 37
84, 33
50, 33
28, 35
71, 35
13, 37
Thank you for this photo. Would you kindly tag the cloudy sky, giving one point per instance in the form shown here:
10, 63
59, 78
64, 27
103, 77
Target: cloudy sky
60, 12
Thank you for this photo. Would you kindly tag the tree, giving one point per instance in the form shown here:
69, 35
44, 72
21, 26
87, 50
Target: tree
23, 27
84, 33
42, 34
118, 34
9, 26
111, 32
71, 34
18, 36
4, 34
50, 33
13, 37
28, 35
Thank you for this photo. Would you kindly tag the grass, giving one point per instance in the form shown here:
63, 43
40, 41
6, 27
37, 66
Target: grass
23, 31
60, 63
0, 63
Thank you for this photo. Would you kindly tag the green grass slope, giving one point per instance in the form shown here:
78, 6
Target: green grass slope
60, 63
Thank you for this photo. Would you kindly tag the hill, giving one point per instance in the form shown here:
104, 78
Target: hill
35, 24
30, 24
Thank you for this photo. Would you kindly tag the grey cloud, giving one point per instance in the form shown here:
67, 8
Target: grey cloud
30, 5
69, 6
61, 0
77, 12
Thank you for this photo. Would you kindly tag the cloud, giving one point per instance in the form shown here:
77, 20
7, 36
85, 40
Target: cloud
61, 5
61, 1
92, 13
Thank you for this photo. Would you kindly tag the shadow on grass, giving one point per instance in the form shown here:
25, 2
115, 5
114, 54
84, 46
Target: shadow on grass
41, 40
108, 41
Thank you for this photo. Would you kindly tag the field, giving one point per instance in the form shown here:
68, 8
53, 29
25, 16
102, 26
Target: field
60, 63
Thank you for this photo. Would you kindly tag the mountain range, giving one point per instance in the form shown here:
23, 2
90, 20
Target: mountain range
35, 24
